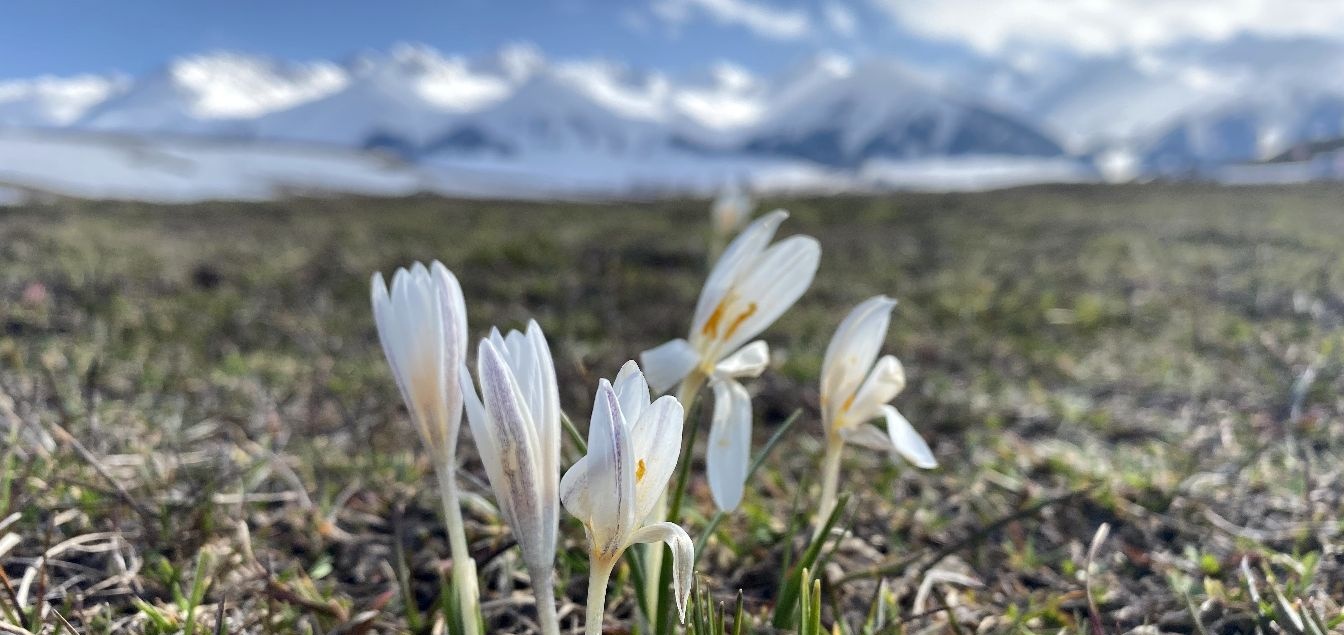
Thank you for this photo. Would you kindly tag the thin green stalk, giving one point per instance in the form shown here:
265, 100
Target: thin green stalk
663, 617
574, 434
705, 534
404, 575
7, 469
738, 620
635, 558
464, 567
795, 578
198, 585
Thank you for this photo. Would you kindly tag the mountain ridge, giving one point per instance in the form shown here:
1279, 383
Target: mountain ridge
517, 114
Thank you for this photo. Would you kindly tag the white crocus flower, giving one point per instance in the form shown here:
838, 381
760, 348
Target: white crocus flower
750, 286
633, 446
856, 387
422, 325
516, 425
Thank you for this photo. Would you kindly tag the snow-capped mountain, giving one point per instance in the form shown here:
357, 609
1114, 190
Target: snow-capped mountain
595, 125
219, 94
844, 116
724, 98
398, 100
54, 101
1115, 102
415, 101
1245, 130
1127, 101
557, 112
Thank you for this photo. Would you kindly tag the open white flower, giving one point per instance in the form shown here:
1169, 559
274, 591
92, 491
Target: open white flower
750, 286
633, 445
856, 387
422, 324
516, 425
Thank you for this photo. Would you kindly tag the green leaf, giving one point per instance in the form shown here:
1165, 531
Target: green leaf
791, 587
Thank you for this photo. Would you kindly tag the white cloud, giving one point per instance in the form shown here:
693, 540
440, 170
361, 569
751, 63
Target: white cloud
840, 19
1107, 26
762, 19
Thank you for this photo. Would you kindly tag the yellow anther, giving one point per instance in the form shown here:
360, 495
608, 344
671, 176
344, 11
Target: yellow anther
711, 327
751, 310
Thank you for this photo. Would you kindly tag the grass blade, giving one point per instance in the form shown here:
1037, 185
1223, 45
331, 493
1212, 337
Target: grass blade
794, 581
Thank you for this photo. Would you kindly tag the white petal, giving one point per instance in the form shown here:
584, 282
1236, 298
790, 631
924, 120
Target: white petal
667, 363
908, 442
632, 390
382, 319
683, 557
517, 478
610, 474
453, 316
731, 266
773, 283
576, 490
476, 417
656, 442
867, 436
497, 339
886, 380
517, 353
402, 331
386, 320
749, 361
411, 328
547, 419
729, 451
853, 349
454, 308
483, 435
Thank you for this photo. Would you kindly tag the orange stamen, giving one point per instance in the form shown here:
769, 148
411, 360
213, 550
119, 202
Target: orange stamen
711, 327
640, 469
751, 310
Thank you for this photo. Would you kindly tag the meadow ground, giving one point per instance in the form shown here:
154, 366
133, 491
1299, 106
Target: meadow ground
198, 423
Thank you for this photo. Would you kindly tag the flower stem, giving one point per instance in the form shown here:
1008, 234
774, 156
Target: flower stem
543, 588
653, 563
830, 478
653, 554
598, 574
689, 389
464, 567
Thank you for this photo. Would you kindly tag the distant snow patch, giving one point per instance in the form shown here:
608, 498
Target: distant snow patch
973, 173
113, 167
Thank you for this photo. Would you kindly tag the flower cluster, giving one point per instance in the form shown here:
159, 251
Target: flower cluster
617, 489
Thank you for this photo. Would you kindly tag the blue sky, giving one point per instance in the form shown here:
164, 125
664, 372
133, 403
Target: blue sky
133, 36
